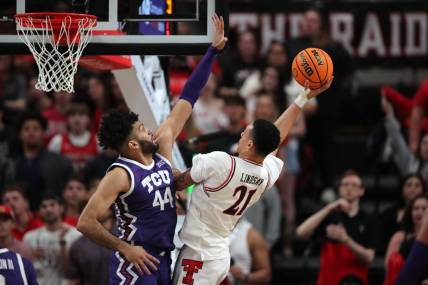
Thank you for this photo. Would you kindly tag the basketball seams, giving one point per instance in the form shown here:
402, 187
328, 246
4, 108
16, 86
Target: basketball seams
327, 64
316, 68
302, 56
302, 72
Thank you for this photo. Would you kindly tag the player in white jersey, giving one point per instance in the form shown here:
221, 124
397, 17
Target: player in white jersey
226, 187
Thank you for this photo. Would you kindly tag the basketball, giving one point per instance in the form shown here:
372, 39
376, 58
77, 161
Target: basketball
314, 65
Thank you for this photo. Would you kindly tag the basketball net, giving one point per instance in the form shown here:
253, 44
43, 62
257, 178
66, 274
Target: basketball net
56, 41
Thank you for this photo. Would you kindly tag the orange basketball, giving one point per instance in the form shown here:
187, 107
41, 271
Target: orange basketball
314, 65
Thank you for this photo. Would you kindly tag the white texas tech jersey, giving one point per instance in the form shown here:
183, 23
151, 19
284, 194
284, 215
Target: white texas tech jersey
227, 187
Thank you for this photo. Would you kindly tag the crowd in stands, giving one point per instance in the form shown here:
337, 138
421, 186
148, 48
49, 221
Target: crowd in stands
50, 164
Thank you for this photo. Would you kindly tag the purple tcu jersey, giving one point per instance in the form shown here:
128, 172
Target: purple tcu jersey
15, 269
146, 213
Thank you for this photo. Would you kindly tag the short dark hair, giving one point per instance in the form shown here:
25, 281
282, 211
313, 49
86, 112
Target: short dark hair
16, 188
78, 108
235, 100
32, 116
350, 172
51, 196
266, 137
77, 178
115, 128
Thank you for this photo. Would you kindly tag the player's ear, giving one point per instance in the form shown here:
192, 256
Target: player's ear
133, 144
250, 144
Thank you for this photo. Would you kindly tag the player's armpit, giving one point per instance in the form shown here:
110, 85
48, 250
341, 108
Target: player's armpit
114, 182
182, 180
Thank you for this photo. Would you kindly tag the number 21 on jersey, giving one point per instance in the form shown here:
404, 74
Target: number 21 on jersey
236, 209
161, 201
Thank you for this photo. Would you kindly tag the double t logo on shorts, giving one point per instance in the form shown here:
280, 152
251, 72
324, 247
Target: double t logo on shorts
191, 267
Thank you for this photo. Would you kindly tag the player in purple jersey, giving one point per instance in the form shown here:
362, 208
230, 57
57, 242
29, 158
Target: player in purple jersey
15, 269
139, 184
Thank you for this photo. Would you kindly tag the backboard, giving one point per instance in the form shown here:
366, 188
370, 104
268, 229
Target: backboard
161, 27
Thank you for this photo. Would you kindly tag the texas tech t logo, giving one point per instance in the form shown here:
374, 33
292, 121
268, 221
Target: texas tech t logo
191, 267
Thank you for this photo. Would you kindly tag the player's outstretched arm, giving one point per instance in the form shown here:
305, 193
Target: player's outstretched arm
114, 182
287, 119
172, 126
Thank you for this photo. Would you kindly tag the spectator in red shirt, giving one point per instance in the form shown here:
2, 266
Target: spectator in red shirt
79, 145
75, 196
7, 240
55, 115
15, 197
349, 235
401, 242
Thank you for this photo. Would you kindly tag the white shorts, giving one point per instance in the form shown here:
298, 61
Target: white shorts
191, 270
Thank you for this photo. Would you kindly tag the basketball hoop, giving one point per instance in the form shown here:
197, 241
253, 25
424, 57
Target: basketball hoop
56, 41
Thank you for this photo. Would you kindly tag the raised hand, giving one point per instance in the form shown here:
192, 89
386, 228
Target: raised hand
341, 204
219, 40
387, 107
313, 93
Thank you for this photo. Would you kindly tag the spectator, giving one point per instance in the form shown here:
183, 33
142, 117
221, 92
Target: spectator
41, 170
7, 240
116, 94
37, 99
418, 116
18, 270
265, 216
250, 255
237, 67
207, 113
403, 105
101, 98
51, 243
412, 185
97, 167
322, 124
401, 242
349, 235
79, 145
55, 115
404, 159
15, 197
13, 90
414, 270
271, 83
88, 262
75, 196
277, 55
8, 141
227, 139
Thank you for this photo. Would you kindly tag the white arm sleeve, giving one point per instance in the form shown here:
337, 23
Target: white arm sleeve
274, 166
206, 166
